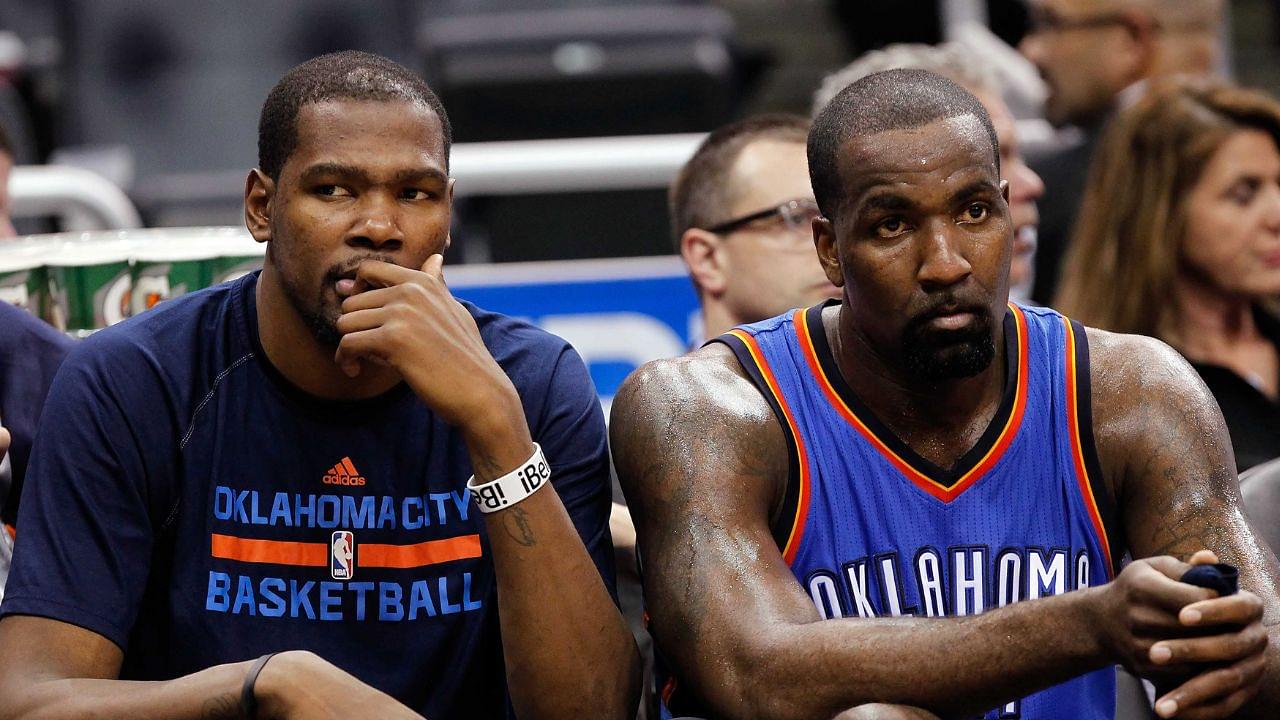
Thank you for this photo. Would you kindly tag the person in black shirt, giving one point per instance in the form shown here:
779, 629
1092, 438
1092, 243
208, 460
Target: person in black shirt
1179, 239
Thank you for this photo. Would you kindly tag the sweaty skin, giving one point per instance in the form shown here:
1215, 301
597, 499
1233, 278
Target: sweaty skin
703, 461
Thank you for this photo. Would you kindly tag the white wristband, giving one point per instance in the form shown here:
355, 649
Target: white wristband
513, 487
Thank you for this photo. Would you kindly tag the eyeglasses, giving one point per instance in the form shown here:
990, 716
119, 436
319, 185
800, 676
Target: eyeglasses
796, 214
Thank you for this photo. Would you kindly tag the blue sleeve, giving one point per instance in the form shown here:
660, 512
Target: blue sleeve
572, 434
85, 542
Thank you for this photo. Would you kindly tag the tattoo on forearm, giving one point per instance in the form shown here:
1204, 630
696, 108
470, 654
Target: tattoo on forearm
223, 707
516, 522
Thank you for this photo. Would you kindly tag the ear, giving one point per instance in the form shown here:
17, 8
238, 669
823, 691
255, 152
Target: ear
1140, 50
708, 264
1004, 190
259, 190
824, 240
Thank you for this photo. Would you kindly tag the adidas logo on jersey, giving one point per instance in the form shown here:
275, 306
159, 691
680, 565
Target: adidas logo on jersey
344, 473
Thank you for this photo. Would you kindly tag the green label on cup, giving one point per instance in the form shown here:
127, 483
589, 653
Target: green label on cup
26, 289
87, 297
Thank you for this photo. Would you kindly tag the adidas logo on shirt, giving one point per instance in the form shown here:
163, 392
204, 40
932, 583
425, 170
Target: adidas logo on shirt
344, 473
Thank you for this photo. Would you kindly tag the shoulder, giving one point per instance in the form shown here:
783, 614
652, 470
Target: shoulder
1148, 402
519, 346
26, 334
168, 348
706, 384
1130, 372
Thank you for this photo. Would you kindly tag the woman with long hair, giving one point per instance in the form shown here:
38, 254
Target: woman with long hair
1178, 238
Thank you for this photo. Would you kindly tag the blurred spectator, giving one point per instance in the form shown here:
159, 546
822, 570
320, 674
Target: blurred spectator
1179, 238
30, 353
1096, 55
961, 66
6, 166
742, 213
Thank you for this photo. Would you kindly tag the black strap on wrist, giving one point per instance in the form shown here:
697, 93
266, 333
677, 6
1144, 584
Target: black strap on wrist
248, 699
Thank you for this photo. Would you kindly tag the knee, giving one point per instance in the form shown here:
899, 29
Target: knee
885, 712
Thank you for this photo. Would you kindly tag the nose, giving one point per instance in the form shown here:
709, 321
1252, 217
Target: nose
377, 226
1272, 216
1032, 47
942, 264
1026, 183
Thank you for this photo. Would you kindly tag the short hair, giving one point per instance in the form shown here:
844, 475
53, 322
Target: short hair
900, 99
950, 60
702, 189
346, 75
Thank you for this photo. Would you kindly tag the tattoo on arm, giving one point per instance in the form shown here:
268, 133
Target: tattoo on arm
516, 522
222, 707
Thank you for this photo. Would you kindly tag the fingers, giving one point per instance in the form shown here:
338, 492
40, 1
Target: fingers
1203, 557
1215, 693
1159, 585
352, 322
376, 274
378, 297
434, 266
1240, 609
354, 347
1249, 641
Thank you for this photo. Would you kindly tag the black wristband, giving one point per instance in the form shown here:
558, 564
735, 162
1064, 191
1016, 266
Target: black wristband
249, 700
1221, 577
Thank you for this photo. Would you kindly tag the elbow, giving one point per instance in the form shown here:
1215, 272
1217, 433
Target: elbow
750, 684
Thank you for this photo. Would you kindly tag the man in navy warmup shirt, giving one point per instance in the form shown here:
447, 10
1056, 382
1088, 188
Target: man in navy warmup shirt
281, 465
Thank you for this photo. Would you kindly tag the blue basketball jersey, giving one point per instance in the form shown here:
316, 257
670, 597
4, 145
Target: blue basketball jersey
871, 529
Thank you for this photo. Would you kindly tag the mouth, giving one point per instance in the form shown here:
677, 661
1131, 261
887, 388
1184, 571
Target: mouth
950, 317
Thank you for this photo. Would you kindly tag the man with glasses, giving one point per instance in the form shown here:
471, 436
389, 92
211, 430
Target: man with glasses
1096, 55
741, 214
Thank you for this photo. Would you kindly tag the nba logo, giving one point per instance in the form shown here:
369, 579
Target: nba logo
342, 555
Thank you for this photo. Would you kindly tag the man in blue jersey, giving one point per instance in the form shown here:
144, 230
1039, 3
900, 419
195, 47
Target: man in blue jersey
328, 490
920, 496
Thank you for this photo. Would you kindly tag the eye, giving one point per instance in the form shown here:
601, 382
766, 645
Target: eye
976, 212
891, 227
332, 191
1243, 192
415, 194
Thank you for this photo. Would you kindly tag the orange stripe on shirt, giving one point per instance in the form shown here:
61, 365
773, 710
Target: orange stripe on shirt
802, 507
1077, 448
278, 552
369, 555
431, 552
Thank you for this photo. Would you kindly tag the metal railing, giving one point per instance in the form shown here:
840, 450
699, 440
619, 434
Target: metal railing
81, 199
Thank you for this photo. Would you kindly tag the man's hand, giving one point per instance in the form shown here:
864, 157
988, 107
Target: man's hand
408, 320
299, 685
1164, 629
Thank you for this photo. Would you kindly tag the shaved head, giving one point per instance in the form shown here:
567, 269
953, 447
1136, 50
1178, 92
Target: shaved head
880, 102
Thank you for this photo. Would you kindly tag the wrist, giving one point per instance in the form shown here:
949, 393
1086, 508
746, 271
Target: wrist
273, 687
1092, 612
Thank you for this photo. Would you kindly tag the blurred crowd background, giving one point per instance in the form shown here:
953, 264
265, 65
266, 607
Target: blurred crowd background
161, 96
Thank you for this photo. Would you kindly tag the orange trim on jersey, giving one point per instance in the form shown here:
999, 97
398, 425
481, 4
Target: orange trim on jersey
919, 479
1077, 448
13, 531
370, 555
802, 456
431, 552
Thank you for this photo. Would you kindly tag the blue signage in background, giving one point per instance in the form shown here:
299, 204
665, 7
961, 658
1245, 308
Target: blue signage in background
619, 314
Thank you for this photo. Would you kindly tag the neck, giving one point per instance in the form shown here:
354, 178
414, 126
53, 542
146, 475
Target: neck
1207, 322
716, 319
292, 348
906, 402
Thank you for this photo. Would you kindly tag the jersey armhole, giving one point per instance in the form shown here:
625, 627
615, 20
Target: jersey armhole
784, 515
1093, 466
